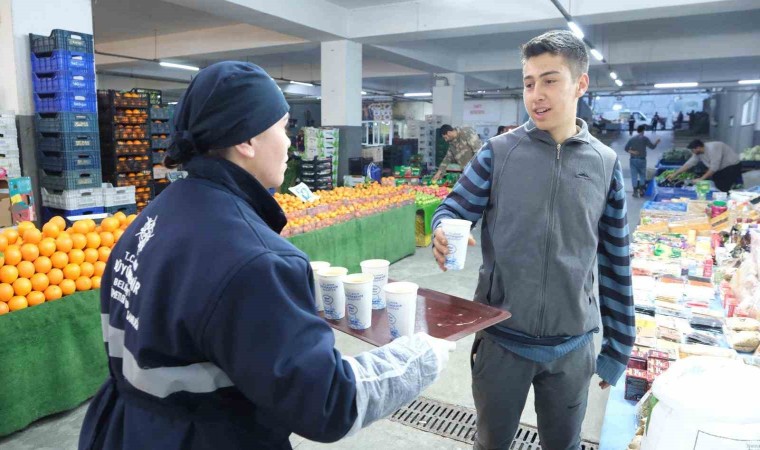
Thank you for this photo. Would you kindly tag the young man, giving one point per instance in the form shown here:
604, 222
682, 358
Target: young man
552, 201
463, 144
637, 147
723, 164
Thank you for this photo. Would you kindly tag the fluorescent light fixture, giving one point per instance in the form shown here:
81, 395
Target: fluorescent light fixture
613, 75
617, 107
749, 81
364, 92
619, 82
675, 85
576, 29
172, 103
300, 83
178, 66
596, 54
418, 94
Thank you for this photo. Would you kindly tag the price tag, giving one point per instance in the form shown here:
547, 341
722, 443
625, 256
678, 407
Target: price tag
304, 193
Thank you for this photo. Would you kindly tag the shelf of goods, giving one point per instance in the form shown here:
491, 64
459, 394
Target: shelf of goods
9, 151
126, 142
160, 133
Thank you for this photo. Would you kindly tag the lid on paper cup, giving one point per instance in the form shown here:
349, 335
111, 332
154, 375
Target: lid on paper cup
375, 263
358, 278
401, 287
333, 272
319, 265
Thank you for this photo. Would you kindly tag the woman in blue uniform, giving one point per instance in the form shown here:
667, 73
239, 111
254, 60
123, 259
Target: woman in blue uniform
208, 315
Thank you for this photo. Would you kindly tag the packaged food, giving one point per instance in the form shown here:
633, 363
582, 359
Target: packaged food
745, 341
743, 324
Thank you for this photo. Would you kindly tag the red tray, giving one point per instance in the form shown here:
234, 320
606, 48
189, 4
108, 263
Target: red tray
440, 315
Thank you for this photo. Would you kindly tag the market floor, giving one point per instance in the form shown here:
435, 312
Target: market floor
61, 431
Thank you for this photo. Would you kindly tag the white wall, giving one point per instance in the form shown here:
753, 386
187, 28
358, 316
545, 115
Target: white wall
412, 110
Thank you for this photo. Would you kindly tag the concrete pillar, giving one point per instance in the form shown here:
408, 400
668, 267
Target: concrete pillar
448, 98
341, 70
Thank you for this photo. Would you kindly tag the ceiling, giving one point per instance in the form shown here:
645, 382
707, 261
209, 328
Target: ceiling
355, 4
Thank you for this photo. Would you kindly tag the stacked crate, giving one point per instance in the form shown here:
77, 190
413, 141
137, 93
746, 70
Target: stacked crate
125, 149
160, 133
319, 163
9, 152
63, 78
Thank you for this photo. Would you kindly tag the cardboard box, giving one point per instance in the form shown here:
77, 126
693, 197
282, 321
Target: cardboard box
22, 199
6, 219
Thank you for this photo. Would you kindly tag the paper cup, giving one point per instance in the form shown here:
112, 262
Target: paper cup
457, 234
358, 289
379, 270
316, 266
401, 299
333, 297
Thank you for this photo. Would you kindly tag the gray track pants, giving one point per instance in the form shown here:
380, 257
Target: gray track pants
500, 384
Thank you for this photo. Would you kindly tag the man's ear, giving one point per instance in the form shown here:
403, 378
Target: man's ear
583, 83
247, 148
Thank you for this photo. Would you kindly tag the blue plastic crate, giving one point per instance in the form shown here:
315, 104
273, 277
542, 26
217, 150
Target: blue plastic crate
63, 60
49, 213
159, 143
668, 193
67, 123
61, 40
62, 81
126, 209
70, 161
162, 112
161, 128
77, 102
68, 142
73, 179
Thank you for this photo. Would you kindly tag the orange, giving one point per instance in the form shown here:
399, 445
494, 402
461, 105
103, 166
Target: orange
91, 225
103, 254
11, 235
64, 243
17, 303
93, 240
87, 269
83, 284
51, 230
68, 287
79, 240
22, 286
12, 255
58, 221
55, 276
100, 267
6, 292
4, 309
72, 272
47, 246
76, 256
131, 218
25, 269
30, 252
59, 260
3, 242
95, 282
81, 227
32, 236
22, 227
110, 223
117, 235
53, 293
8, 274
107, 239
40, 282
90, 255
43, 264
35, 298
121, 217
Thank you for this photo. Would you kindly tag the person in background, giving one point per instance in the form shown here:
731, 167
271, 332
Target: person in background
679, 120
463, 144
631, 124
209, 319
553, 205
637, 148
655, 121
723, 163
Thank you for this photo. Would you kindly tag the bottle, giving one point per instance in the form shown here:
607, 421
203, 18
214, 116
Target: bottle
708, 268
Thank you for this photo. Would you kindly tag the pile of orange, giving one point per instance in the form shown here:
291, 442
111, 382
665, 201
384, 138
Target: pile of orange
37, 266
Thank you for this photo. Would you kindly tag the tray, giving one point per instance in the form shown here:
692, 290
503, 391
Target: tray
440, 315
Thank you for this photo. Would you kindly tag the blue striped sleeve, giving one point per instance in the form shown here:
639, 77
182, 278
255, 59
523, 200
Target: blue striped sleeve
615, 287
469, 197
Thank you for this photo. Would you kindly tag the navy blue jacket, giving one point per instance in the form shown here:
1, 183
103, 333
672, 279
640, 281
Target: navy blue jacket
211, 327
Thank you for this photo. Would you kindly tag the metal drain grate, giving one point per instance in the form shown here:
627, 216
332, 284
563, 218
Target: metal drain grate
459, 423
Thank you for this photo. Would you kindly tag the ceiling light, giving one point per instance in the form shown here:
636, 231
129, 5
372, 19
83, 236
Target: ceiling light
171, 103
749, 81
675, 85
617, 107
300, 83
178, 66
613, 75
596, 54
364, 92
417, 94
619, 82
576, 30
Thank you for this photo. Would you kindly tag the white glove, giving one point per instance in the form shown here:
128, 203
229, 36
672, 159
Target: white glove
441, 348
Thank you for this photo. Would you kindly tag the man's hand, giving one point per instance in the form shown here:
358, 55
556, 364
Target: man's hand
658, 141
604, 385
672, 176
441, 247
436, 177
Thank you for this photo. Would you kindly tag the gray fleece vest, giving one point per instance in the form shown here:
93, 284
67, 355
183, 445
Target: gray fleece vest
540, 230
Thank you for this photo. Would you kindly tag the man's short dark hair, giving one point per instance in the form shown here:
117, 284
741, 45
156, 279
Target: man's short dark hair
696, 143
501, 129
559, 42
445, 129
641, 128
